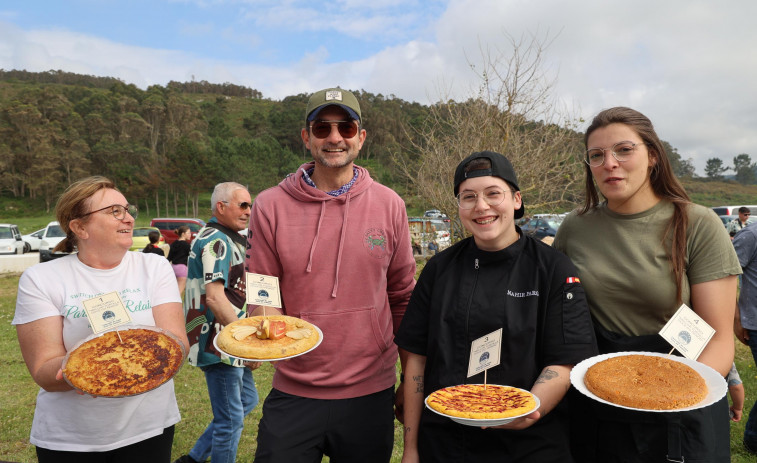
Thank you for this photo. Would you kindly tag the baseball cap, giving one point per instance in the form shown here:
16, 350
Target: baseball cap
501, 168
332, 96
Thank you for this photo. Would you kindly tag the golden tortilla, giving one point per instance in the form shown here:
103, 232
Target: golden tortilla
109, 366
473, 401
300, 337
646, 382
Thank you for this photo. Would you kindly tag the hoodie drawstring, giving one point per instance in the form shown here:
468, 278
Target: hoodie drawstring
315, 239
341, 243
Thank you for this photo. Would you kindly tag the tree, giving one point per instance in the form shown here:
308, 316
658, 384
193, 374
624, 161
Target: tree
513, 113
681, 167
744, 168
714, 169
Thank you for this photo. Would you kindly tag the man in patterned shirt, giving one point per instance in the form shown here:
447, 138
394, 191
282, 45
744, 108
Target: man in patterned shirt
215, 297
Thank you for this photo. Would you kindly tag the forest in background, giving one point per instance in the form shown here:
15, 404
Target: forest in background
166, 145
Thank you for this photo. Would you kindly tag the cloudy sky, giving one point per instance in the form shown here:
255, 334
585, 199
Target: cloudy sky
691, 66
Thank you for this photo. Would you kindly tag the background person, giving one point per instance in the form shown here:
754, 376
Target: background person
50, 320
736, 391
642, 252
498, 278
745, 322
737, 224
433, 247
215, 297
178, 254
152, 246
340, 245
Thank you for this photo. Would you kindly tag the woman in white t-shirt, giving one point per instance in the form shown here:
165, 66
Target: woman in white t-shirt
50, 319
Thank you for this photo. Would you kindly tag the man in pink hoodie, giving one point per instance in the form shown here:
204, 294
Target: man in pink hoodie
339, 243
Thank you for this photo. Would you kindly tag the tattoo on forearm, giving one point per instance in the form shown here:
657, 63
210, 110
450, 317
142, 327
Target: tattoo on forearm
418, 383
407, 430
546, 375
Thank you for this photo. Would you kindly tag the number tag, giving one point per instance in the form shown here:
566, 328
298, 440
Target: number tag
485, 352
106, 311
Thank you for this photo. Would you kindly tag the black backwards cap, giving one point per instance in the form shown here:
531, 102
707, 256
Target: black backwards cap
501, 168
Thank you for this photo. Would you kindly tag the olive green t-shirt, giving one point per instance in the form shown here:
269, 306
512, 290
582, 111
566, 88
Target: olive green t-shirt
624, 266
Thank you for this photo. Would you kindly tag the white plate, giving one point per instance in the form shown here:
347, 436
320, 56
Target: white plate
486, 422
320, 340
716, 385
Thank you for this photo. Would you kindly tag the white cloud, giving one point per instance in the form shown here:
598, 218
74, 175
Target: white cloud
687, 65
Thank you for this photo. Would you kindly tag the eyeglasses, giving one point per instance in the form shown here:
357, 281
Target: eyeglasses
322, 129
492, 197
118, 211
244, 206
621, 151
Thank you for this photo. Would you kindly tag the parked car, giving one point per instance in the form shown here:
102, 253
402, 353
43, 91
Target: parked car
732, 210
168, 226
434, 213
424, 230
51, 236
10, 239
33, 240
140, 238
542, 226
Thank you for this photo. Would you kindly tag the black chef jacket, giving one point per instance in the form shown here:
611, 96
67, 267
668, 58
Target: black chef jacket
528, 289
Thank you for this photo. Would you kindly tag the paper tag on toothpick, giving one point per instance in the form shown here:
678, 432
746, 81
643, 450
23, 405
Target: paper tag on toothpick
263, 290
485, 352
106, 312
687, 332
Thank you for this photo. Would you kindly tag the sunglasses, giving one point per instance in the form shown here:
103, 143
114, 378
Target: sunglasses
322, 129
244, 206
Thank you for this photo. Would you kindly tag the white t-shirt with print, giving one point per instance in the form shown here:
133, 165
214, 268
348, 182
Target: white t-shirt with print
72, 422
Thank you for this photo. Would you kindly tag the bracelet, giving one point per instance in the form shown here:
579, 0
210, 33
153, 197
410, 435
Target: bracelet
402, 377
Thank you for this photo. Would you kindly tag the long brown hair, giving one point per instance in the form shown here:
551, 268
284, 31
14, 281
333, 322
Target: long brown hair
74, 203
661, 178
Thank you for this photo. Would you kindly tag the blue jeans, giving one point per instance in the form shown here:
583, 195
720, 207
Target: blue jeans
232, 396
750, 431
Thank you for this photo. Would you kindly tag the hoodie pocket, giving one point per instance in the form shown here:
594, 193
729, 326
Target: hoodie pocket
355, 338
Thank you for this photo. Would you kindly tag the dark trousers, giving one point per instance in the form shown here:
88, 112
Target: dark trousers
153, 450
750, 431
300, 430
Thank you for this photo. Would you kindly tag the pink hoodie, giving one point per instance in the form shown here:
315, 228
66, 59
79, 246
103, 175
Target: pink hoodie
344, 264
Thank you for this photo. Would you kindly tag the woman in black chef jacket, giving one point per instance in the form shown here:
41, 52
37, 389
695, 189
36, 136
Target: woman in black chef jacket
497, 278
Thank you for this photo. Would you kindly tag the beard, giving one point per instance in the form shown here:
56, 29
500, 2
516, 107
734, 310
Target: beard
343, 159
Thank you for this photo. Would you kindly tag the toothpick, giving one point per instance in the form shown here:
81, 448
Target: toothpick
671, 351
485, 371
119, 336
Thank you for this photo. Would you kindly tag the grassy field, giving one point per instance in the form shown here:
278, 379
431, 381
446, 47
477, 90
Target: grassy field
17, 402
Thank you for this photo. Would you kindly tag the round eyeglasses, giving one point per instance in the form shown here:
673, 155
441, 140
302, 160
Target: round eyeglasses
621, 151
118, 211
492, 197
